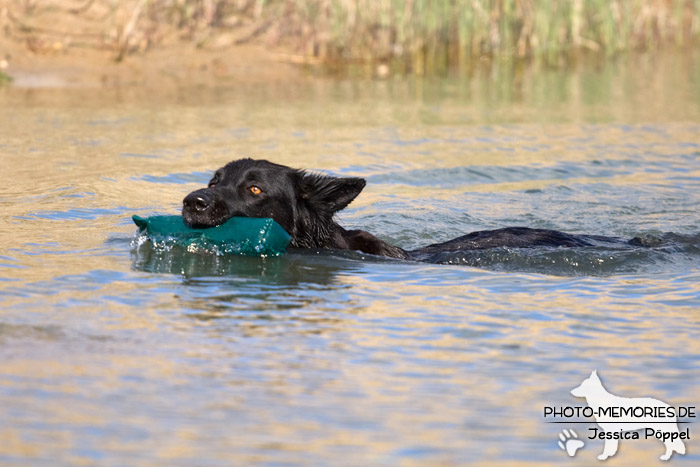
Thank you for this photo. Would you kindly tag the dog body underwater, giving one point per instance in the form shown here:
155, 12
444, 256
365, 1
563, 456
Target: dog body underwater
305, 203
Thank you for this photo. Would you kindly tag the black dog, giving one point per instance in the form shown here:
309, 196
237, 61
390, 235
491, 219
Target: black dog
304, 204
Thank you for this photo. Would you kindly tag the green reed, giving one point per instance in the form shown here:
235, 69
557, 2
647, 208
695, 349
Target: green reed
431, 35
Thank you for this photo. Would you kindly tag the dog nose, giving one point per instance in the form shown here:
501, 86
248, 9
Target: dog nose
197, 201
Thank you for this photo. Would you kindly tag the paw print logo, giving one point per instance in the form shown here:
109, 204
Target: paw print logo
569, 442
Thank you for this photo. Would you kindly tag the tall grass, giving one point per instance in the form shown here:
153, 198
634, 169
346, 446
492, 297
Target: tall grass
421, 36
432, 35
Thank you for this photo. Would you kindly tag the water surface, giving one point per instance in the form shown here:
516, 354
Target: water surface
114, 354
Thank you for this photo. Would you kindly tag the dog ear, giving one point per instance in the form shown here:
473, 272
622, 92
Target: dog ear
329, 194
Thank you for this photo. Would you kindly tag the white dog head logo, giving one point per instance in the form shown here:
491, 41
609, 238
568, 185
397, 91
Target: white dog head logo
589, 386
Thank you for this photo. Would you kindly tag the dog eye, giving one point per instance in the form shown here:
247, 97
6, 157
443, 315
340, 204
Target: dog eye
255, 190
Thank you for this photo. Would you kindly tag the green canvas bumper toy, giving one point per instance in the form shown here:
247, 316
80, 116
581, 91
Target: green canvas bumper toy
250, 236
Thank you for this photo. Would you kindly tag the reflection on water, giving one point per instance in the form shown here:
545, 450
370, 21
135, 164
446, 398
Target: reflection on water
116, 355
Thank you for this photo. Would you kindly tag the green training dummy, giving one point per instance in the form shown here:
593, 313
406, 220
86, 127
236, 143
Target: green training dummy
250, 236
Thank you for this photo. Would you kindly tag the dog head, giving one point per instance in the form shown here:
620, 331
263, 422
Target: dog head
589, 386
302, 203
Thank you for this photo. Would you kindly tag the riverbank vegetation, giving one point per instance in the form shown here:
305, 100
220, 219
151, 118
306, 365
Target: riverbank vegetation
418, 36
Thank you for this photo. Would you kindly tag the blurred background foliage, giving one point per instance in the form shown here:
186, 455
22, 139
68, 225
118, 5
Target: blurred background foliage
416, 36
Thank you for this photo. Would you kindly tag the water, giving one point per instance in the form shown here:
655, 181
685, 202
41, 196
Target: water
120, 355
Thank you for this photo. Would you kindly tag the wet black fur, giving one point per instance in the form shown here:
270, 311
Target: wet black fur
304, 204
